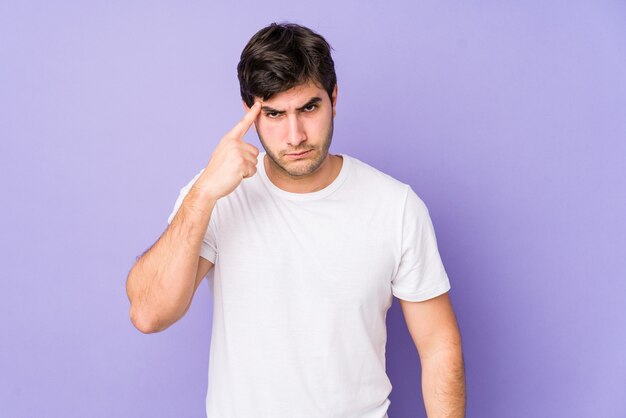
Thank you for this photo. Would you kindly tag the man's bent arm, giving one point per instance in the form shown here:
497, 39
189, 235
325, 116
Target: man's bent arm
433, 327
162, 282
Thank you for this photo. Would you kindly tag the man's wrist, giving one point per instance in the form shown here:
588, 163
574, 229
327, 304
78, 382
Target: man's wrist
200, 200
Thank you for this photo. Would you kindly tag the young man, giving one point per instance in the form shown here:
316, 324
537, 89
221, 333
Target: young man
308, 250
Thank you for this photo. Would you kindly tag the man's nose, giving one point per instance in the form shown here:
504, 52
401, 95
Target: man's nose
296, 131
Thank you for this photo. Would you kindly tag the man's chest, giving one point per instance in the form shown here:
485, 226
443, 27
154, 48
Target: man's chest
308, 252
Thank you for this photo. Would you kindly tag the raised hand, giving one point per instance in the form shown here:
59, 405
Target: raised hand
232, 160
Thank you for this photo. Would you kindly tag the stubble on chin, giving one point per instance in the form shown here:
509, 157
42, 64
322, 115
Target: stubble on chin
302, 170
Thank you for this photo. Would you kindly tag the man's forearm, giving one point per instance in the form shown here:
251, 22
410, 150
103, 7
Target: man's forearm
162, 281
443, 384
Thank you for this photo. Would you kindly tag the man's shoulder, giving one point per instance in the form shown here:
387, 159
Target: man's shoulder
374, 178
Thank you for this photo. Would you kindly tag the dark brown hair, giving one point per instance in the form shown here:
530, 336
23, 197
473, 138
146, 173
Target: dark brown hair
282, 56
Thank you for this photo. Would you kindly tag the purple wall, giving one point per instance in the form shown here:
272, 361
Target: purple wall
507, 118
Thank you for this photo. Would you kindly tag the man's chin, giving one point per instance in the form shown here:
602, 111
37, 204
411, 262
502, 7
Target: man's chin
300, 167
298, 171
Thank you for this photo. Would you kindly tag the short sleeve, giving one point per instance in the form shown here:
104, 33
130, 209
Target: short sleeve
420, 274
208, 248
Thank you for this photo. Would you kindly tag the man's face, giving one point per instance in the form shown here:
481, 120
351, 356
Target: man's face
297, 121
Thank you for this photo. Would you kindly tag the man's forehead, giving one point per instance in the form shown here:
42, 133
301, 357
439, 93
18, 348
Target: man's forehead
295, 96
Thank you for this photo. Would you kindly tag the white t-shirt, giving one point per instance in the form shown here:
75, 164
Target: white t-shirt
301, 289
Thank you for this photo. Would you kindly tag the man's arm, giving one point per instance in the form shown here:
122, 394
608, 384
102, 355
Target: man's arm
161, 284
434, 330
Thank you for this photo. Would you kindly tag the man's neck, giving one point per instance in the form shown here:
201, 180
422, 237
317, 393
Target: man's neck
323, 176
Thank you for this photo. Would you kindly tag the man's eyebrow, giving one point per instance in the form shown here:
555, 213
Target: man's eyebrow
271, 110
312, 101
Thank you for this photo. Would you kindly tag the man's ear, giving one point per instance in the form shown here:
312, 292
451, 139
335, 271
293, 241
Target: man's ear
334, 100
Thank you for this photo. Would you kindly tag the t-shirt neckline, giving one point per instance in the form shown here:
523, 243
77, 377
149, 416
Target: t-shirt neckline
319, 194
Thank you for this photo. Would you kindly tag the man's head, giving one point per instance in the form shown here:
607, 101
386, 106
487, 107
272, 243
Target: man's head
289, 68
282, 56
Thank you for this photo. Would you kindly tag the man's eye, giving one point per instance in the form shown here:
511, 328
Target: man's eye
310, 108
272, 115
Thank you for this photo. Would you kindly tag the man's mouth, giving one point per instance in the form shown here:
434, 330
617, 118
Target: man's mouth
298, 154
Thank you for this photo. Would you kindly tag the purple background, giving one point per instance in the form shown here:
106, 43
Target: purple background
507, 118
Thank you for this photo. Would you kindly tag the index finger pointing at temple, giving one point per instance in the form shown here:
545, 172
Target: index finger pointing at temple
244, 124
